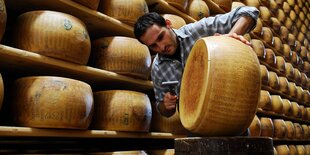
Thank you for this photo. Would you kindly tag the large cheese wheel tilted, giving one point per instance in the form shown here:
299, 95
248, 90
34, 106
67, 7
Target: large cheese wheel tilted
176, 21
122, 110
3, 18
52, 102
1, 91
127, 11
52, 34
122, 55
209, 103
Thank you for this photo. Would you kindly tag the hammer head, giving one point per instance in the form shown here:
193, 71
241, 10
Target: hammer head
171, 85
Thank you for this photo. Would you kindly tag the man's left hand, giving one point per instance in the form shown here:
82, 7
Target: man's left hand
234, 35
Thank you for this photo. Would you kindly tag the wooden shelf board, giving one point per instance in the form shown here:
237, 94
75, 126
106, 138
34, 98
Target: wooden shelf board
32, 63
98, 24
11, 131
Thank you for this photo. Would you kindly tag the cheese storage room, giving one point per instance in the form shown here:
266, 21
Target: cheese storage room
155, 77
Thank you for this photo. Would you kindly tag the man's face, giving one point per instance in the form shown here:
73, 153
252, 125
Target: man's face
159, 39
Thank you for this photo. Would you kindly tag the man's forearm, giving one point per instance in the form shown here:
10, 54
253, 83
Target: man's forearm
243, 25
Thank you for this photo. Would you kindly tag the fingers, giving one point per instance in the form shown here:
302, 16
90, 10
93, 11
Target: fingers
170, 101
238, 37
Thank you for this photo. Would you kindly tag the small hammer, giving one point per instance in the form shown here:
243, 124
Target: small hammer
171, 85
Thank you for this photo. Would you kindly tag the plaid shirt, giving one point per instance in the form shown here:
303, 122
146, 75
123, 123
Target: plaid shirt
168, 69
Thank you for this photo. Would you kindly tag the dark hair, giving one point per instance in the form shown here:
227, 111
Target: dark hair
147, 20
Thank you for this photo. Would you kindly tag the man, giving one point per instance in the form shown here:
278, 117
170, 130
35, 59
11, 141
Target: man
173, 46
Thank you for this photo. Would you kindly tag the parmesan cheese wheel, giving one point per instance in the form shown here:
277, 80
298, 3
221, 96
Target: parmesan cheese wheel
308, 113
92, 4
236, 4
267, 127
209, 103
290, 129
52, 102
264, 75
282, 149
289, 70
197, 9
306, 67
255, 127
291, 42
283, 33
275, 24
301, 150
259, 48
1, 91
170, 124
275, 151
297, 46
283, 85
272, 6
267, 35
273, 80
300, 94
179, 4
287, 107
122, 55
296, 111
292, 89
276, 104
293, 149
305, 128
280, 64
127, 11
301, 37
307, 147
259, 26
52, 34
270, 57
176, 21
303, 53
287, 52
297, 75
291, 3
277, 44
265, 14
265, 100
281, 15
293, 15
306, 97
255, 3
295, 60
304, 29
304, 112
286, 7
298, 23
122, 110
224, 4
3, 18
280, 130
288, 23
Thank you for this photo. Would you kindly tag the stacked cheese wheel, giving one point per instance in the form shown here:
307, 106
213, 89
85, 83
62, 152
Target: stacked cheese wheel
127, 11
122, 110
53, 34
220, 87
1, 91
52, 102
122, 55
3, 17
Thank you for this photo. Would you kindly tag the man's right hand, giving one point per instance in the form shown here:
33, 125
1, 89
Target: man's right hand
168, 106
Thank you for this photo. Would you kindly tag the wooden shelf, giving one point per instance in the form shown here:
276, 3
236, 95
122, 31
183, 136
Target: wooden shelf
98, 24
11, 131
25, 62
273, 115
